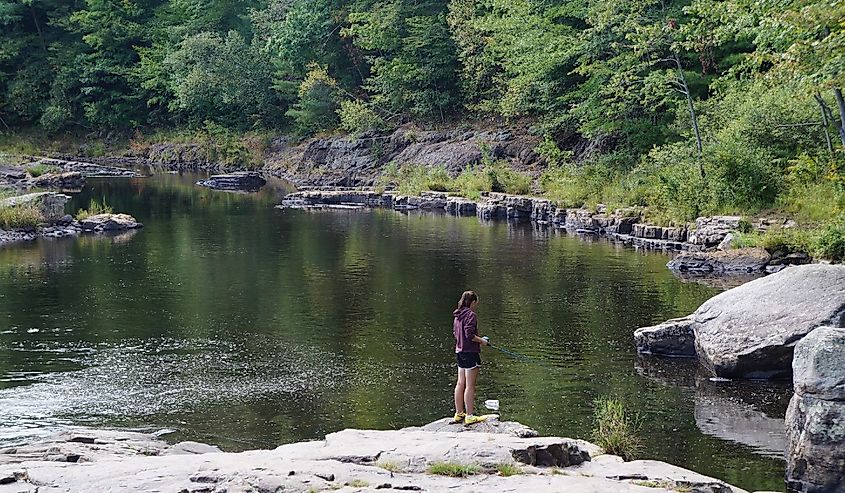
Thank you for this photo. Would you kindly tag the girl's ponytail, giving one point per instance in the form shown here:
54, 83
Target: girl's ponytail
467, 298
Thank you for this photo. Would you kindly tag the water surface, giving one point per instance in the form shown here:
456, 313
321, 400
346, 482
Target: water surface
235, 323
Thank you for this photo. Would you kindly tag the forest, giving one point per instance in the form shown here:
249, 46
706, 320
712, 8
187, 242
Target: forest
685, 107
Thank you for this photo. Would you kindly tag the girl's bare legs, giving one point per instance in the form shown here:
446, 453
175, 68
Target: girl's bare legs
469, 393
460, 387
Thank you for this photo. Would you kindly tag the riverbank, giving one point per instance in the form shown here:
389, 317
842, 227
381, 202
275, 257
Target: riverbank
492, 456
701, 250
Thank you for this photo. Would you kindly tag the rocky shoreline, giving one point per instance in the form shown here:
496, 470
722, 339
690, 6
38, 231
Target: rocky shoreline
497, 456
701, 249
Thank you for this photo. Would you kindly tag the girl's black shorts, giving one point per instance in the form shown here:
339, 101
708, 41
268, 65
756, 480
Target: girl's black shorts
468, 361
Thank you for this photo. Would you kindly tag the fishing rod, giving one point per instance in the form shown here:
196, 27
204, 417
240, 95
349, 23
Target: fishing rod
513, 354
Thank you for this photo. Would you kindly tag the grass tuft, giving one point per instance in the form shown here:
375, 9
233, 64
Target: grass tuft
38, 169
358, 483
94, 208
24, 217
506, 470
388, 465
452, 469
614, 430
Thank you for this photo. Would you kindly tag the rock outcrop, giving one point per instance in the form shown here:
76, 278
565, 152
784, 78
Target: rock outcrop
50, 204
750, 331
815, 419
349, 460
100, 223
356, 161
239, 181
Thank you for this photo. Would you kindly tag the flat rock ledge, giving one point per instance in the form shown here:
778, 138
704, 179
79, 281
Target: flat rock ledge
68, 226
239, 181
751, 331
349, 460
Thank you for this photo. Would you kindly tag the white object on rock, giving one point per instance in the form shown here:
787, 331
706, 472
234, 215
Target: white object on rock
492, 404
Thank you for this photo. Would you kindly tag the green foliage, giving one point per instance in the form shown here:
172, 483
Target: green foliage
23, 217
453, 469
95, 207
412, 56
746, 240
225, 146
357, 483
470, 183
356, 117
316, 109
38, 169
221, 79
614, 430
787, 240
830, 244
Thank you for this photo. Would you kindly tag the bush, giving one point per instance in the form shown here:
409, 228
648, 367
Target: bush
506, 180
452, 469
614, 430
746, 240
830, 243
23, 217
39, 169
94, 208
787, 240
471, 182
356, 117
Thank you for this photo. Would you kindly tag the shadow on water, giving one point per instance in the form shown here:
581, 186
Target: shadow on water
242, 325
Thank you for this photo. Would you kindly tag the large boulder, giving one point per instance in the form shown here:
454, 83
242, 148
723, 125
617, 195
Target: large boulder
750, 331
815, 419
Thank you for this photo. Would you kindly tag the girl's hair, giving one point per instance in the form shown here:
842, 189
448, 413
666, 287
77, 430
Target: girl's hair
467, 298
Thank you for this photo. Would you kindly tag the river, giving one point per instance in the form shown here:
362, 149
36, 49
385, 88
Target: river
228, 321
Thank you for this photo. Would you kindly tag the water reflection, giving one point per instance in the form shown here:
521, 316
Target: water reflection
750, 413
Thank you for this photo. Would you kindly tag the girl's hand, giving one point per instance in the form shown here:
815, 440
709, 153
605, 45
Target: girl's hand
486, 340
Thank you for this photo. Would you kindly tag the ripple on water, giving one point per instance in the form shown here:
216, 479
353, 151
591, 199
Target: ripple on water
134, 379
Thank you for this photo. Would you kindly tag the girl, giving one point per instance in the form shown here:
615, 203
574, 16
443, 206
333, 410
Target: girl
467, 351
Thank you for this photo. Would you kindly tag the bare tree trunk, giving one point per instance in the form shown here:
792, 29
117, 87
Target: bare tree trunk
692, 114
840, 102
825, 123
38, 27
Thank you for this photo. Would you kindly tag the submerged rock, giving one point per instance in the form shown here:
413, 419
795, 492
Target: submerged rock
109, 222
815, 420
246, 181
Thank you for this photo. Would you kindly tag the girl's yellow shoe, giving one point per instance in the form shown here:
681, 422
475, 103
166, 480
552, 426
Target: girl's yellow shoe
459, 418
472, 419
